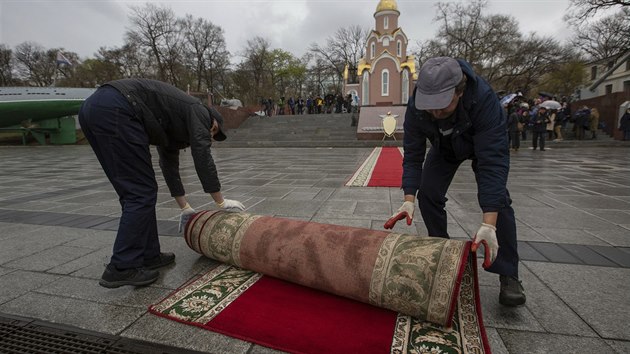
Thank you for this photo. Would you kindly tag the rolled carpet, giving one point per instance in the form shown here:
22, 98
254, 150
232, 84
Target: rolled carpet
412, 275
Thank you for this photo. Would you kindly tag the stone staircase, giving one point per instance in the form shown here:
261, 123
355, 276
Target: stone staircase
312, 130
336, 130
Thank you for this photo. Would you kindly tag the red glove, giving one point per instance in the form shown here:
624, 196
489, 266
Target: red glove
405, 211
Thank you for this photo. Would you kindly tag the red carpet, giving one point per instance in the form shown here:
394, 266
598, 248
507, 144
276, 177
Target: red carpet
383, 168
297, 319
306, 287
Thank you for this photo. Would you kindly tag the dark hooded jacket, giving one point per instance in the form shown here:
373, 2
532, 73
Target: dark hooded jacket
479, 133
174, 120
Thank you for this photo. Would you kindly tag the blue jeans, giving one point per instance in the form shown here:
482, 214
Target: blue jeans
122, 147
437, 175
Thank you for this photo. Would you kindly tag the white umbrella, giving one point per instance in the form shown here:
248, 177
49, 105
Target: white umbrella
507, 99
551, 104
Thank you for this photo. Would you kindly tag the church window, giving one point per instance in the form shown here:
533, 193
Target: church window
372, 50
399, 48
386, 42
385, 83
366, 89
385, 22
405, 86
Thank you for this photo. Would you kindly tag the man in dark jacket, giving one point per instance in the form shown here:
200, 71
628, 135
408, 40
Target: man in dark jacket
462, 117
121, 120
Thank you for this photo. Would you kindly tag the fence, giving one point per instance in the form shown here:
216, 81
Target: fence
608, 107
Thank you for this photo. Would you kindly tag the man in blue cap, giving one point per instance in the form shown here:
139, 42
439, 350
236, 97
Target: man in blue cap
463, 119
121, 120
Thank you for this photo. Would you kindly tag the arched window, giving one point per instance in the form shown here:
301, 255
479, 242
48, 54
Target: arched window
385, 82
386, 42
366, 89
372, 50
399, 48
405, 86
386, 22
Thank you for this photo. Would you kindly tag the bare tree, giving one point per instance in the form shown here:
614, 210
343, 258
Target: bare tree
204, 48
345, 47
606, 37
128, 60
36, 65
6, 66
565, 79
580, 10
155, 29
493, 45
252, 76
465, 32
532, 58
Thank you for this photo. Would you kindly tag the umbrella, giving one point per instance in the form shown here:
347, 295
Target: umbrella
545, 94
551, 104
507, 99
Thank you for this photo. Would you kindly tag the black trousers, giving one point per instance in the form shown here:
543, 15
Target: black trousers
437, 175
122, 147
538, 136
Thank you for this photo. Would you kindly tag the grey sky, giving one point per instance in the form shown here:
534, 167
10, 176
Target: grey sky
82, 26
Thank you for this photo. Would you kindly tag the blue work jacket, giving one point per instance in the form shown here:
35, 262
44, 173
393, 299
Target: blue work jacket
479, 134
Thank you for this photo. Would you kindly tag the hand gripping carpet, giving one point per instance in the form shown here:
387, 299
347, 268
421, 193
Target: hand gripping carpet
304, 287
382, 168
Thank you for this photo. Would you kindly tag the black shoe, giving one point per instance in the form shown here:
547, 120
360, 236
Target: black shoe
542, 149
113, 277
160, 261
512, 292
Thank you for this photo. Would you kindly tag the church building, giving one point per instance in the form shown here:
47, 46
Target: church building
386, 75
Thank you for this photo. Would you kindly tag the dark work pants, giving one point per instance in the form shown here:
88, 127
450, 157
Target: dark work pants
437, 175
539, 136
122, 147
515, 139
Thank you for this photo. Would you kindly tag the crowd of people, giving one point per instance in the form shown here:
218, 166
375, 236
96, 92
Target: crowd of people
330, 103
548, 123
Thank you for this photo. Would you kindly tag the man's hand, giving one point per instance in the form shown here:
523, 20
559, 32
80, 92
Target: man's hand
231, 205
187, 212
487, 234
405, 211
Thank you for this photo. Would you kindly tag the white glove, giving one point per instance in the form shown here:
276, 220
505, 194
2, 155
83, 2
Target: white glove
487, 234
187, 212
405, 211
231, 205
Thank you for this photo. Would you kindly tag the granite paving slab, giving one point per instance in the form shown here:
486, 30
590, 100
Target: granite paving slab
543, 343
599, 295
90, 315
161, 330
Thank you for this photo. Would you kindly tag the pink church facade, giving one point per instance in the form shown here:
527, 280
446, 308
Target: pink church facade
386, 75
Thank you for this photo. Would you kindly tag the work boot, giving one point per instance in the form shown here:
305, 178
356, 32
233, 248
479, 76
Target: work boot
163, 259
512, 292
113, 277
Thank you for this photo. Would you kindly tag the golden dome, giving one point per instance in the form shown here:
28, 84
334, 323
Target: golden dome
384, 5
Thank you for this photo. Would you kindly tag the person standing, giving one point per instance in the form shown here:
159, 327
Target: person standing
460, 114
121, 120
558, 124
291, 103
514, 127
624, 125
581, 122
594, 122
539, 130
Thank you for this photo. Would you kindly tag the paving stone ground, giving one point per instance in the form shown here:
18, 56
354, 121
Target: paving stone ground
58, 216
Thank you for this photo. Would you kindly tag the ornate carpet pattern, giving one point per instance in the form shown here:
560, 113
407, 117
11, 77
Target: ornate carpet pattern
415, 294
382, 168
